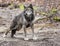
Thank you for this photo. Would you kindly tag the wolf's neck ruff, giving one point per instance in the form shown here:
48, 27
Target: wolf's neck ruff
30, 18
28, 14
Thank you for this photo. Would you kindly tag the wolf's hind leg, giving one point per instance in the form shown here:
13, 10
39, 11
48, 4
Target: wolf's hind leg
6, 32
13, 32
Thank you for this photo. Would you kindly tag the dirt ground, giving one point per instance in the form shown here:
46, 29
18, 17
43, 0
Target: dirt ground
45, 38
48, 36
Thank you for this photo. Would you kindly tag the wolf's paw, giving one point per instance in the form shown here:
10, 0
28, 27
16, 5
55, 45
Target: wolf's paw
25, 38
13, 36
35, 38
4, 35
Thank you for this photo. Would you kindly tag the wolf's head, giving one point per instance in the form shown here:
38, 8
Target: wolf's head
28, 9
29, 12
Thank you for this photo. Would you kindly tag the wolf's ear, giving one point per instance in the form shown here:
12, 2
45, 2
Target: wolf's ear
31, 6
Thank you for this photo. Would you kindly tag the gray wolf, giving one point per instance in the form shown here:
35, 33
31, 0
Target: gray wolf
23, 20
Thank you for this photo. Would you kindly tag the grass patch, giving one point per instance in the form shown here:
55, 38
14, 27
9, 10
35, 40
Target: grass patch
21, 6
56, 18
35, 7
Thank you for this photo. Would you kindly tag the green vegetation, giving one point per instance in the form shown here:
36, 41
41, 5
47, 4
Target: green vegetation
35, 7
56, 18
53, 11
43, 13
21, 6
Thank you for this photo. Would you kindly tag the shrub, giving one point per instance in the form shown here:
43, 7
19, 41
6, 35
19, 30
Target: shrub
53, 11
56, 18
21, 6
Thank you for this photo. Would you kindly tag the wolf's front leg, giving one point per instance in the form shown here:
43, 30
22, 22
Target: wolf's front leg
25, 33
33, 34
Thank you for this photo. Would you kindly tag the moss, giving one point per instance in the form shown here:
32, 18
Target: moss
56, 18
53, 11
43, 13
35, 7
21, 6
